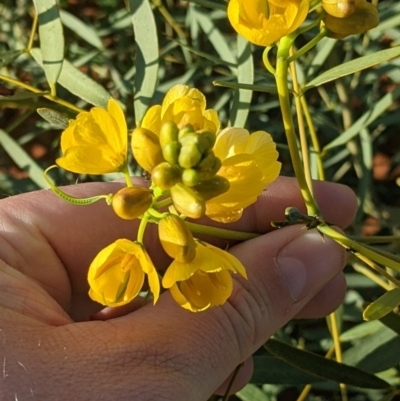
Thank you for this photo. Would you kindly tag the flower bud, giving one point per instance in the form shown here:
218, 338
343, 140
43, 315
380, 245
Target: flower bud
131, 202
176, 238
185, 130
209, 136
189, 156
170, 152
211, 188
207, 161
190, 177
339, 8
165, 176
146, 148
200, 141
365, 17
168, 133
187, 201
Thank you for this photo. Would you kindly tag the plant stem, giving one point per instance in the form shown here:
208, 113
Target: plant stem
283, 93
220, 232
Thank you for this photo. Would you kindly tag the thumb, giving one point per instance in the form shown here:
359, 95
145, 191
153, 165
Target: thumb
286, 268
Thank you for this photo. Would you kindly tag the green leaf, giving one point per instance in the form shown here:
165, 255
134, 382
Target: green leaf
322, 367
383, 305
8, 57
252, 393
55, 118
242, 97
353, 66
392, 320
22, 159
51, 39
78, 83
361, 330
375, 353
366, 119
83, 30
255, 88
147, 57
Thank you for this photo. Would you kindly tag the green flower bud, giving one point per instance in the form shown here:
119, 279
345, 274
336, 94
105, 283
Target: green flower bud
176, 238
192, 138
187, 201
146, 148
168, 133
190, 177
185, 130
171, 151
165, 176
209, 136
189, 156
210, 173
213, 187
339, 8
207, 161
131, 202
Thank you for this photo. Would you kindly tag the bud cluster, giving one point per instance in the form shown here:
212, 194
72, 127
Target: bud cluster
182, 161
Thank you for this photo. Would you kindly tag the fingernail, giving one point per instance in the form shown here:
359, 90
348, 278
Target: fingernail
308, 262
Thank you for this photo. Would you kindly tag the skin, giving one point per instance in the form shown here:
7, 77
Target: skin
51, 350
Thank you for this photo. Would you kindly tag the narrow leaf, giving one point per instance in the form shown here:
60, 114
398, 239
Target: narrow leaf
242, 97
55, 118
83, 30
383, 305
78, 83
22, 159
392, 320
147, 57
8, 57
322, 367
51, 39
353, 66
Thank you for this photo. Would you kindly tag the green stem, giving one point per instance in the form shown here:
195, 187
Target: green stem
220, 232
356, 247
266, 62
142, 227
283, 93
313, 42
125, 171
162, 203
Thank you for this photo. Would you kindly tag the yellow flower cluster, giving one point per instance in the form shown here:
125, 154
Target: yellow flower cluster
196, 170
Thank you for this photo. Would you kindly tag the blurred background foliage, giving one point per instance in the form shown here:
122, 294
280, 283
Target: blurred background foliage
356, 117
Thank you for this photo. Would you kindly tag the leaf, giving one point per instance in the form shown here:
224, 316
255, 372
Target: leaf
78, 83
322, 367
215, 36
353, 66
83, 30
242, 97
51, 39
252, 393
361, 330
8, 57
147, 57
383, 305
375, 353
392, 320
22, 159
255, 87
367, 118
55, 118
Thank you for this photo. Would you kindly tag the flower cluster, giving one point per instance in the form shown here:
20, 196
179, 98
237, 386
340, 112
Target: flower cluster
195, 169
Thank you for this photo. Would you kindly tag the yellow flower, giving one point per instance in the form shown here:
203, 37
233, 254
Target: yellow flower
264, 22
96, 142
117, 273
364, 18
183, 106
204, 282
250, 163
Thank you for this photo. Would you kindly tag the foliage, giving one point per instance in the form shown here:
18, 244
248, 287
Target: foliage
135, 52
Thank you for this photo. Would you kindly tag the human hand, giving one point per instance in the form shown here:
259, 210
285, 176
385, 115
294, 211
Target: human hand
51, 351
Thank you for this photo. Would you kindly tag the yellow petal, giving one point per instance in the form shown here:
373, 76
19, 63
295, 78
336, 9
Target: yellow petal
121, 134
230, 142
152, 119
175, 93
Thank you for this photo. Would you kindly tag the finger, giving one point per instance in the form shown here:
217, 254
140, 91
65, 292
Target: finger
325, 301
286, 269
